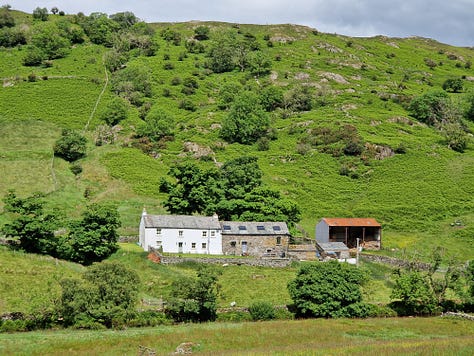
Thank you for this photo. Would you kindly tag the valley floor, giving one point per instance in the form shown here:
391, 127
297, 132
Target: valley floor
387, 336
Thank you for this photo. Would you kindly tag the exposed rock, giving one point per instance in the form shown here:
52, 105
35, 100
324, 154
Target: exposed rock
334, 76
328, 47
198, 151
185, 348
301, 76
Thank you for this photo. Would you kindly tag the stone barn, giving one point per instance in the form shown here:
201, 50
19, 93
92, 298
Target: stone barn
259, 239
348, 230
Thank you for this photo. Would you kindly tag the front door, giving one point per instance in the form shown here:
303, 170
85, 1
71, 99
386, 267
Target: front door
244, 247
180, 247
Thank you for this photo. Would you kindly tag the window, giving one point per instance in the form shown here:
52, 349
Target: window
242, 228
276, 228
226, 227
278, 240
193, 245
180, 233
260, 228
158, 231
203, 245
158, 243
204, 234
233, 243
213, 234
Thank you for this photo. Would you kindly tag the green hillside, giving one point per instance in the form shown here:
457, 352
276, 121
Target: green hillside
364, 82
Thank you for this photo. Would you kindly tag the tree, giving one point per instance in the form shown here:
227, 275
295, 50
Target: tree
115, 111
194, 299
328, 289
54, 10
431, 108
132, 83
222, 52
453, 85
412, 291
240, 176
125, 19
158, 124
106, 295
94, 237
195, 190
201, 33
234, 192
258, 63
100, 29
49, 38
40, 14
70, 146
246, 121
298, 99
32, 229
469, 111
271, 98
6, 17
456, 137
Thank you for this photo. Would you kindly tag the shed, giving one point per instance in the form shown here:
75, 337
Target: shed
337, 250
348, 230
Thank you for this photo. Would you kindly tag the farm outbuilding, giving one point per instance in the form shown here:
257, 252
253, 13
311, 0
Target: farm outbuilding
260, 239
348, 230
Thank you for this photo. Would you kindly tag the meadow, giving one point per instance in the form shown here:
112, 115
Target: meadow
390, 336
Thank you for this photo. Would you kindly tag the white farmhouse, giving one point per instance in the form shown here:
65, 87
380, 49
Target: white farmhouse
181, 233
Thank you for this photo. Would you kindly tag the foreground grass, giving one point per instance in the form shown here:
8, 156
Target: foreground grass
421, 336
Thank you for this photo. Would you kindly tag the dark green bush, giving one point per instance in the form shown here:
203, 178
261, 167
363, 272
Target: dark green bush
262, 310
70, 146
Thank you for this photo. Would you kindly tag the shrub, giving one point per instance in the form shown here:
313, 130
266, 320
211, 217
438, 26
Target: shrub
453, 85
33, 57
70, 146
76, 168
187, 104
328, 289
104, 297
114, 112
262, 310
158, 124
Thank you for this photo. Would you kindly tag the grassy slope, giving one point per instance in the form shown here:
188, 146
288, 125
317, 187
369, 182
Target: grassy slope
416, 196
32, 281
420, 336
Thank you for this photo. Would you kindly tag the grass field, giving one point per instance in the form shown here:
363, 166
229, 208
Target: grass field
32, 281
392, 336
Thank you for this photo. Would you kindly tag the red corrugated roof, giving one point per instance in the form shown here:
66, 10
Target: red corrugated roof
351, 222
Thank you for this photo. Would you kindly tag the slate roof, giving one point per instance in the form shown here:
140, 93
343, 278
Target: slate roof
332, 246
182, 222
254, 228
358, 222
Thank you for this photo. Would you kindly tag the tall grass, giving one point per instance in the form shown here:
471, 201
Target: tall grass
304, 337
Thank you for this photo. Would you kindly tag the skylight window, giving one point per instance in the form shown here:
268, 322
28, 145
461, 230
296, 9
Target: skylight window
226, 227
260, 227
276, 228
242, 227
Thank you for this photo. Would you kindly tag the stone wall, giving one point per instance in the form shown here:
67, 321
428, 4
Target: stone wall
259, 262
395, 262
302, 252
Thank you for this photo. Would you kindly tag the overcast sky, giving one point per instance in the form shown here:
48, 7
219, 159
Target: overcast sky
447, 21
